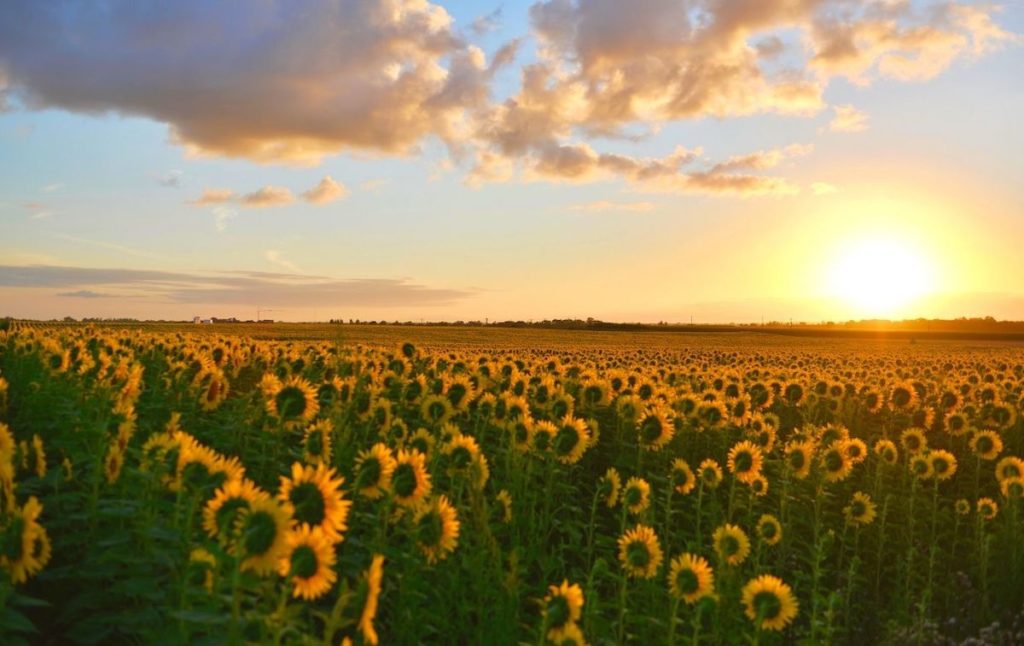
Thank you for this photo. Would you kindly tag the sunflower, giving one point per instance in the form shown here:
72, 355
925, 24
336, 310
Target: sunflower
962, 506
758, 485
201, 565
436, 410
112, 463
913, 440
262, 534
640, 552
835, 463
887, 451
293, 401
213, 388
504, 499
421, 440
315, 497
374, 468
745, 461
920, 466
410, 482
308, 562
317, 441
571, 440
955, 423
636, 495
856, 450
563, 607
542, 436
710, 473
943, 464
903, 397
437, 529
24, 543
608, 487
769, 529
220, 515
861, 510
1012, 488
986, 444
681, 476
799, 456
987, 508
655, 429
690, 578
769, 602
731, 544
372, 578
1009, 467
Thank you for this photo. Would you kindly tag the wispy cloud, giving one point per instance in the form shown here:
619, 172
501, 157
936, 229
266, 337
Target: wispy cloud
214, 196
848, 119
325, 192
273, 256
268, 196
170, 179
232, 288
85, 293
53, 187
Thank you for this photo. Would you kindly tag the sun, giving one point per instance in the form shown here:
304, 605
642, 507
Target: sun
879, 277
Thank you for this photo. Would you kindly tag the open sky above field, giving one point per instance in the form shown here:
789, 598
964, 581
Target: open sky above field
726, 160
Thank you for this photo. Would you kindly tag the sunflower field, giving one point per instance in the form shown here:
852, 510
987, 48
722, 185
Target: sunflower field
172, 486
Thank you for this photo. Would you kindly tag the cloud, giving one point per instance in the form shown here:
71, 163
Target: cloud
37, 210
325, 192
848, 119
222, 215
606, 205
85, 293
214, 196
487, 22
274, 256
53, 187
271, 81
233, 288
374, 185
172, 179
268, 196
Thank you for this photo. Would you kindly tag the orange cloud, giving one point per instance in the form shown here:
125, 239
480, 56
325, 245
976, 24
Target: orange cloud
848, 119
268, 196
325, 192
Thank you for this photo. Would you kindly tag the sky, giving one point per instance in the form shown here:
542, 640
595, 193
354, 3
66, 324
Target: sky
657, 160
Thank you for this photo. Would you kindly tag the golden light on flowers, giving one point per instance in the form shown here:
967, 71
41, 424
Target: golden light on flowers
769, 529
220, 515
315, 498
261, 535
690, 578
563, 607
987, 508
317, 441
437, 529
201, 566
986, 444
655, 429
835, 464
571, 440
293, 401
913, 440
636, 495
682, 477
745, 461
731, 544
878, 276
374, 468
861, 510
799, 457
308, 562
943, 464
24, 543
640, 552
769, 602
608, 487
710, 474
372, 579
410, 481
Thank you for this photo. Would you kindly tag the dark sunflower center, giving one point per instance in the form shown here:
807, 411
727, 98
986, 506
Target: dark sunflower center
730, 545
744, 461
633, 496
12, 540
404, 480
797, 459
308, 501
315, 443
833, 461
430, 529
858, 509
984, 444
369, 473
566, 440
767, 605
687, 581
768, 530
291, 402
650, 430
637, 554
557, 611
680, 478
436, 410
258, 533
592, 394
542, 440
228, 513
303, 562
461, 457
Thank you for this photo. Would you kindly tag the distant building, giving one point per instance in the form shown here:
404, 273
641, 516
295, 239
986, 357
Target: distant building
197, 320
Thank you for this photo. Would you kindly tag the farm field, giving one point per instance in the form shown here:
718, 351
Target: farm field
301, 483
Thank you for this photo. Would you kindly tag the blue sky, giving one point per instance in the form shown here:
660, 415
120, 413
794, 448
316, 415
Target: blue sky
93, 177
